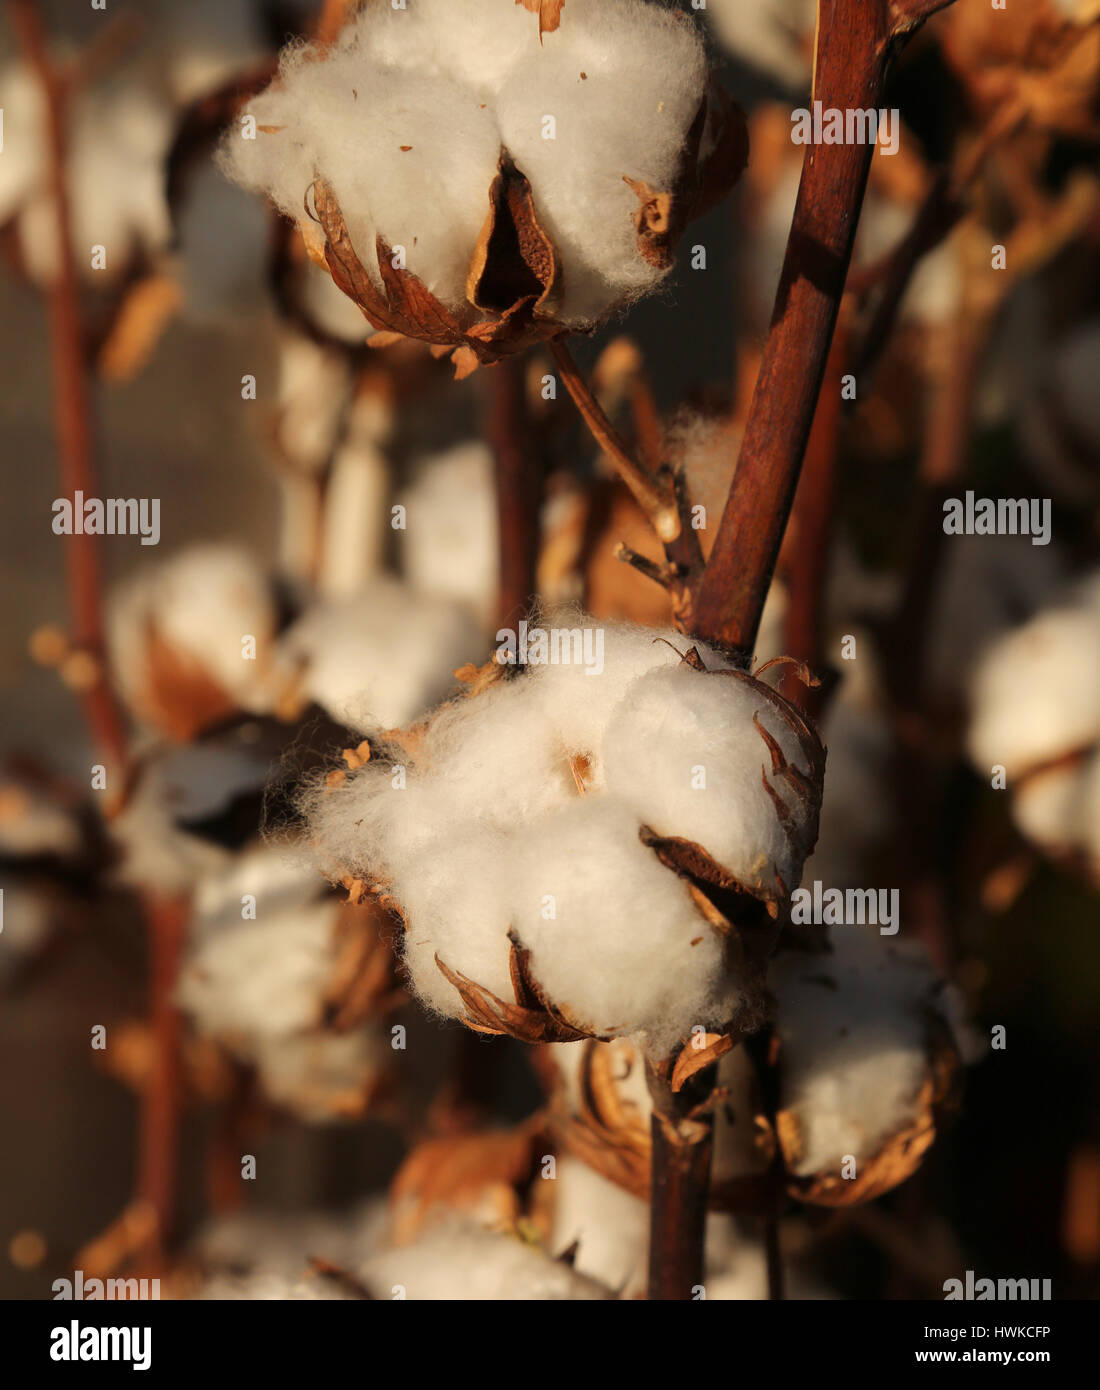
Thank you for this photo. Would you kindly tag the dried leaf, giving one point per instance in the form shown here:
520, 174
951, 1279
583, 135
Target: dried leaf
693, 1059
548, 11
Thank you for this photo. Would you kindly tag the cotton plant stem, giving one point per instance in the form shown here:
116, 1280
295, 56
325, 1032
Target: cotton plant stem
682, 1146
517, 488
72, 401
853, 46
854, 41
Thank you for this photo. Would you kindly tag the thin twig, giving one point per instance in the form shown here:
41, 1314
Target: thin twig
654, 498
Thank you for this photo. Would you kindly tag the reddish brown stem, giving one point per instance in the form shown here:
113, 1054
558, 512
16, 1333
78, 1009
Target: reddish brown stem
518, 491
853, 46
682, 1144
809, 536
72, 405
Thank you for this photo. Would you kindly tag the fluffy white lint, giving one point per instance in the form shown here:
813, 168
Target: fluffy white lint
405, 116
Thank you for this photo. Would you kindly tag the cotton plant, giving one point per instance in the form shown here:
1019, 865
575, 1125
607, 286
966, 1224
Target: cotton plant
296, 985
1034, 726
120, 131
439, 161
631, 881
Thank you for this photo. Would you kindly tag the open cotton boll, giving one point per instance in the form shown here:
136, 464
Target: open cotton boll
614, 936
410, 158
608, 1227
1034, 696
119, 138
177, 637
1059, 809
177, 791
23, 165
277, 879
459, 1261
262, 977
636, 75
323, 1077
450, 543
859, 1071
683, 751
382, 658
314, 393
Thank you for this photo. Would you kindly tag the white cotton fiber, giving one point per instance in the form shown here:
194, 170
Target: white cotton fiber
120, 134
406, 115
450, 546
458, 1261
264, 977
644, 74
853, 1048
580, 695
520, 809
201, 603
314, 394
23, 162
381, 658
682, 750
615, 938
608, 1226
1035, 697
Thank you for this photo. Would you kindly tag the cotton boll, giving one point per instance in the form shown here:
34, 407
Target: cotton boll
1034, 696
450, 545
176, 637
381, 659
1058, 808
314, 394
455, 908
644, 76
23, 164
461, 1262
178, 788
265, 977
278, 879
625, 949
119, 137
859, 1069
684, 752
608, 1226
323, 1077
